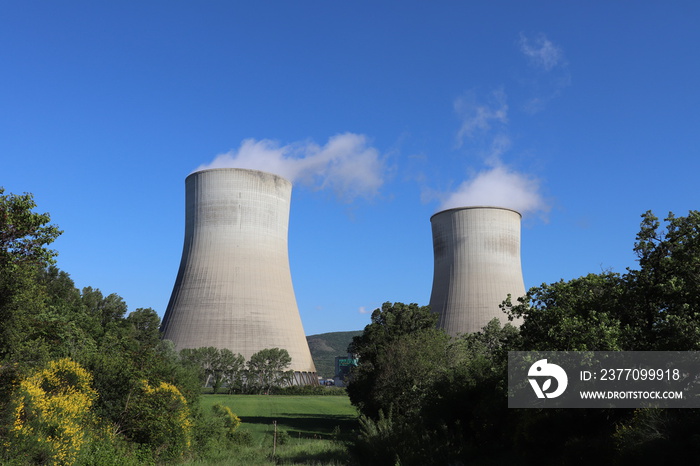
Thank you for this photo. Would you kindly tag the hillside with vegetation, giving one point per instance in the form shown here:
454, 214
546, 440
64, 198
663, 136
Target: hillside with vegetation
325, 347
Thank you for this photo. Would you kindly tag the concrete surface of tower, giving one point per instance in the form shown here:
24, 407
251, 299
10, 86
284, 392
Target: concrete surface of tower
234, 286
477, 264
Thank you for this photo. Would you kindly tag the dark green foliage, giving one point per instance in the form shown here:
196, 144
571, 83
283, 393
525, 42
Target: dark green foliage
659, 436
653, 308
24, 237
457, 413
24, 234
104, 309
382, 442
242, 438
387, 349
573, 315
664, 306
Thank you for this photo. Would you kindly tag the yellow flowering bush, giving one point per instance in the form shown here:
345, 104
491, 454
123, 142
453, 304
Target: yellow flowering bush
51, 413
230, 420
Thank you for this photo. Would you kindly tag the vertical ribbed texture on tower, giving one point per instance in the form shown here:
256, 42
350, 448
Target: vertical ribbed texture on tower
477, 264
234, 286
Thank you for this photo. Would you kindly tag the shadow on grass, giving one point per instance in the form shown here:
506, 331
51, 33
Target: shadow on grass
326, 427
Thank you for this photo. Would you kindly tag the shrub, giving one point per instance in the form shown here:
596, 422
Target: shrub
160, 418
230, 420
51, 416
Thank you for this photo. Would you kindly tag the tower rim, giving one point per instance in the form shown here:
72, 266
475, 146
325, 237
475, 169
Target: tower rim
222, 169
485, 207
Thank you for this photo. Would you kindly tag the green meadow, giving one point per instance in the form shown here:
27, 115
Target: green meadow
310, 429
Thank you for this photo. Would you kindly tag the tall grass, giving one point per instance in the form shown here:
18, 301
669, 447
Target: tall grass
311, 430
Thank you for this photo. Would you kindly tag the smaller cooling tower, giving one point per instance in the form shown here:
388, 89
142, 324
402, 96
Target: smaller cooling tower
234, 287
477, 264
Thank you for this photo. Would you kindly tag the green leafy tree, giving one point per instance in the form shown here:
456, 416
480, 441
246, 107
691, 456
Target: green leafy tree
206, 359
379, 348
24, 237
582, 314
105, 309
650, 308
267, 369
130, 357
24, 234
216, 366
664, 311
438, 400
145, 325
230, 367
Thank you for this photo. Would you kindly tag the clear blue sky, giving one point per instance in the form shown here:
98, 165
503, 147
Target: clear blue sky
584, 112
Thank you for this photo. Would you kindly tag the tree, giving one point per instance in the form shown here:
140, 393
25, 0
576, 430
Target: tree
230, 366
582, 314
24, 237
664, 309
379, 350
145, 325
267, 369
437, 399
107, 309
653, 308
24, 234
218, 366
205, 359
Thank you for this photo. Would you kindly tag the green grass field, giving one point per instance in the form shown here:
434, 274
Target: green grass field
311, 429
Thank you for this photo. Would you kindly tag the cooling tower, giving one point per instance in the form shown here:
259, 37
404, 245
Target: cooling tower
477, 264
234, 287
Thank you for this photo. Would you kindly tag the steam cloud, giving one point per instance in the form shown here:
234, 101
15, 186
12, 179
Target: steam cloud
498, 185
346, 164
484, 124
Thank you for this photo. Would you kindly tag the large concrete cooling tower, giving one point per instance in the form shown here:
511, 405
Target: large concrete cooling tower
477, 264
234, 287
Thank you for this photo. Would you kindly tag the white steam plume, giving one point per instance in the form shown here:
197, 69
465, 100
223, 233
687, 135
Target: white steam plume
498, 187
346, 164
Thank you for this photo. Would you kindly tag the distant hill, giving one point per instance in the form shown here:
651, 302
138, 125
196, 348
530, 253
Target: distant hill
326, 346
